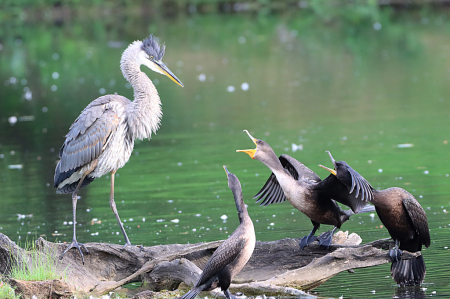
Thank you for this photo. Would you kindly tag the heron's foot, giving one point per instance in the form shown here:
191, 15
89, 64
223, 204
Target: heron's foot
325, 239
76, 245
126, 244
306, 240
395, 254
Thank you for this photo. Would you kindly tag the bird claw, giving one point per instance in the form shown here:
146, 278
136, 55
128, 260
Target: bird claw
126, 244
395, 254
325, 240
76, 245
306, 240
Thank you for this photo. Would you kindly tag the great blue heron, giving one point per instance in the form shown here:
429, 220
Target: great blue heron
102, 138
315, 198
232, 255
406, 222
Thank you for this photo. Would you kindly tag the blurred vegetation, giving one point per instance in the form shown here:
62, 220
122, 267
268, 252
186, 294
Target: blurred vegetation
62, 10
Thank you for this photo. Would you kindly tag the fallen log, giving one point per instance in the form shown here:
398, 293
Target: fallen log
276, 267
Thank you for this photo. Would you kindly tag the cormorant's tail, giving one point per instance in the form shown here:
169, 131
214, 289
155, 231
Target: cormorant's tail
409, 272
191, 294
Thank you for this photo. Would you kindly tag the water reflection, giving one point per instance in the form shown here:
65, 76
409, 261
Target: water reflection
341, 86
416, 292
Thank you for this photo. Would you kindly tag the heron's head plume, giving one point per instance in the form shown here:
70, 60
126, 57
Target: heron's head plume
151, 46
151, 55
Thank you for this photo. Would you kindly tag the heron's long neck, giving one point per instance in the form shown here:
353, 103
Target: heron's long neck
144, 113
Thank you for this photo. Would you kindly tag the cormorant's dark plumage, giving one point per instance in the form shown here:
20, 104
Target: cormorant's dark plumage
232, 255
407, 224
405, 221
295, 182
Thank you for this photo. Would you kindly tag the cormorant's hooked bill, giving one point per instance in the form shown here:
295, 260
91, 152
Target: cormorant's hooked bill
333, 171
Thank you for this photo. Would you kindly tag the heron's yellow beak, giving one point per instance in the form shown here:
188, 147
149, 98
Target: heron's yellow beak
250, 152
165, 70
329, 169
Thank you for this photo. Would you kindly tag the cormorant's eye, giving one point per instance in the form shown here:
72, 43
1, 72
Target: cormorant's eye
151, 57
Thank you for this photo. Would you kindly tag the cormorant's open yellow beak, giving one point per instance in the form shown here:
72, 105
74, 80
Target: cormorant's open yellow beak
250, 152
165, 70
329, 169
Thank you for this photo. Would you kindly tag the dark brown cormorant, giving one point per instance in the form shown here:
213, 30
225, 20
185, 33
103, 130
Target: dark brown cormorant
315, 198
232, 255
407, 224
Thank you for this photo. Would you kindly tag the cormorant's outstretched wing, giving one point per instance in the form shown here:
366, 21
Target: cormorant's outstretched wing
227, 252
297, 169
418, 218
360, 184
272, 192
357, 191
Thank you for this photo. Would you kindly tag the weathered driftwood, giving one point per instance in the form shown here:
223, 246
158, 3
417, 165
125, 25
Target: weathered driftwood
42, 289
276, 267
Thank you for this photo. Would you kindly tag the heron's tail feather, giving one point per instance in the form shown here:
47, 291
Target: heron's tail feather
69, 187
191, 294
409, 272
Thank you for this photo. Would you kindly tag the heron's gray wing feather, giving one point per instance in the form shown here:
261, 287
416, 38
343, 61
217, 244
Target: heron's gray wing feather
418, 218
88, 136
227, 252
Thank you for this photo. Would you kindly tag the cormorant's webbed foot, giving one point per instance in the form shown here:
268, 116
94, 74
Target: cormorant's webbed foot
76, 245
325, 239
395, 254
306, 240
228, 294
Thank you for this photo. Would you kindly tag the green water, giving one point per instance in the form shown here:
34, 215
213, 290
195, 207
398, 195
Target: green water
336, 85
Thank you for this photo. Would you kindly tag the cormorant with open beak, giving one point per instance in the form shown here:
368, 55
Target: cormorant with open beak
291, 180
232, 255
407, 224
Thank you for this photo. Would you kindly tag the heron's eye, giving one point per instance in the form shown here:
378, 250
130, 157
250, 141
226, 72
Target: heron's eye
152, 57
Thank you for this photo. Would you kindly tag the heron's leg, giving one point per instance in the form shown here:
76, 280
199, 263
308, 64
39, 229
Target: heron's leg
326, 238
395, 253
306, 240
74, 207
113, 207
228, 294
